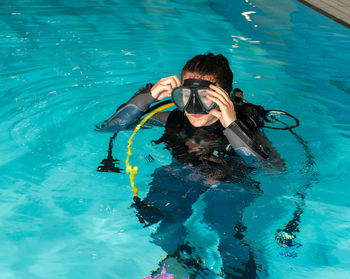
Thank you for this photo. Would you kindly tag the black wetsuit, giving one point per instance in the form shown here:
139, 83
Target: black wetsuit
209, 171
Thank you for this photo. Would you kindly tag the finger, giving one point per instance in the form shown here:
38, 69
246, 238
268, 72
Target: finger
160, 89
165, 88
226, 101
164, 84
177, 80
164, 94
216, 95
173, 81
220, 91
222, 95
224, 116
217, 99
217, 88
216, 113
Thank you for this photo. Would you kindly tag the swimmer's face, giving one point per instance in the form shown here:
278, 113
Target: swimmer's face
200, 120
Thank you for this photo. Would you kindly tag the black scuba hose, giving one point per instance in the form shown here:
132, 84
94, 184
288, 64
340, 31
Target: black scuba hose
285, 237
287, 127
109, 164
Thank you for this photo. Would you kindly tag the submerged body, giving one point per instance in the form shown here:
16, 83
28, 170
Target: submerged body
208, 181
206, 170
206, 176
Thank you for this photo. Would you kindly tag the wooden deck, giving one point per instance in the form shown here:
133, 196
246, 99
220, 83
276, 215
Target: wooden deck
338, 10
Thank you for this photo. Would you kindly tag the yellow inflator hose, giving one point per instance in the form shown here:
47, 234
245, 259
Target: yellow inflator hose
133, 170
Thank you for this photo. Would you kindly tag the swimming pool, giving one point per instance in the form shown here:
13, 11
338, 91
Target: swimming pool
66, 66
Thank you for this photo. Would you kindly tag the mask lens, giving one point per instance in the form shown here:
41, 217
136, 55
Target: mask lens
186, 94
181, 96
208, 104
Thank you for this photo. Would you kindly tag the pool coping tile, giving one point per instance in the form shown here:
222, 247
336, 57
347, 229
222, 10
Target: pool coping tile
337, 10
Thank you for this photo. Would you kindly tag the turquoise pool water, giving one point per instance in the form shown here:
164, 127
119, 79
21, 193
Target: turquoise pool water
67, 65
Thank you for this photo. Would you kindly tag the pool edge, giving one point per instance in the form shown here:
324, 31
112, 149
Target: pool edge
325, 10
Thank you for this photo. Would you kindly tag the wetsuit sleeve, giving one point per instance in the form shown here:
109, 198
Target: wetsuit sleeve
128, 113
253, 146
159, 119
274, 159
243, 144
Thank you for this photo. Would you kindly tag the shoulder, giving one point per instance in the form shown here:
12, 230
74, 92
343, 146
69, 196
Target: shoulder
175, 119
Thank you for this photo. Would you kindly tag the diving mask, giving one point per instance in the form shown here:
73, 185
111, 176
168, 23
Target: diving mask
192, 96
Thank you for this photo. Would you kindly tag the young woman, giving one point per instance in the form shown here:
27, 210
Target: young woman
210, 145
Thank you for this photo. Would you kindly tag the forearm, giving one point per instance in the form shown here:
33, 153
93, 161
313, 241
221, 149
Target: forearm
243, 144
129, 112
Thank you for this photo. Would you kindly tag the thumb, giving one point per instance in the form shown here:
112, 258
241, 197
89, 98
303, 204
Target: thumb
216, 113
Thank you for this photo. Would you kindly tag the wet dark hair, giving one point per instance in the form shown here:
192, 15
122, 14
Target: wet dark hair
214, 65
